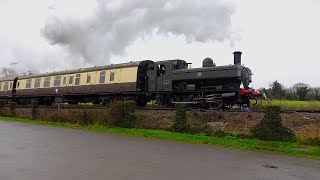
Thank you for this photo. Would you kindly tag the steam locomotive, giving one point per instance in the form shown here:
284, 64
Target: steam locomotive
166, 82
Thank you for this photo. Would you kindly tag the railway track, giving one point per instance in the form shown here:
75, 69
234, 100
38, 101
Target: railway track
161, 108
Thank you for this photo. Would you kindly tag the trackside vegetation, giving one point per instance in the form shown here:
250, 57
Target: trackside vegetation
120, 118
271, 128
288, 104
231, 141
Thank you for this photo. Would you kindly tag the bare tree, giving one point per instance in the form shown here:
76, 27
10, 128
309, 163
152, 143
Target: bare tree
8, 72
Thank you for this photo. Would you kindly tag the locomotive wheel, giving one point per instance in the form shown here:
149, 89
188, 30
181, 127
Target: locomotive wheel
172, 98
216, 104
191, 98
142, 103
227, 106
49, 103
96, 101
73, 102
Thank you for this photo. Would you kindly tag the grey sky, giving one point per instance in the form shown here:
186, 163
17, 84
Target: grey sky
279, 39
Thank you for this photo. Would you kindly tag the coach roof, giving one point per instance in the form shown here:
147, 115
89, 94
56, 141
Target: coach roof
82, 70
7, 79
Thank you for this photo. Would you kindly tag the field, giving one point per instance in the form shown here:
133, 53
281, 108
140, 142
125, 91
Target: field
289, 105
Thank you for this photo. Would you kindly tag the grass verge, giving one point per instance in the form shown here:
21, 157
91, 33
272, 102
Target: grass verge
289, 105
291, 149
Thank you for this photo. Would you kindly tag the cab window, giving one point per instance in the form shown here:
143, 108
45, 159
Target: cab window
175, 65
151, 67
161, 69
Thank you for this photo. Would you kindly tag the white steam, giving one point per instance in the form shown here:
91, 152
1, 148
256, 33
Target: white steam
116, 24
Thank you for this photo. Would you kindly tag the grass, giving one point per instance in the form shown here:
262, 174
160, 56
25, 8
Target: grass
291, 149
289, 105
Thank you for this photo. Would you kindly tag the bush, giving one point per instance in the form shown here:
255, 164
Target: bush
271, 129
220, 133
129, 116
2, 103
84, 119
180, 121
99, 117
12, 106
116, 112
311, 141
34, 106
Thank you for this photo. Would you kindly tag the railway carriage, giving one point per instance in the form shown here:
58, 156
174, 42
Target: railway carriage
96, 85
7, 88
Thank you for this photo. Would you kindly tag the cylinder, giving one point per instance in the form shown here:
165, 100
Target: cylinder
237, 58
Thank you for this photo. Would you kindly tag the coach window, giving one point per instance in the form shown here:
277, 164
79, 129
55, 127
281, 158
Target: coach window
88, 78
64, 80
111, 76
37, 83
5, 87
28, 84
46, 82
10, 85
102, 77
77, 82
57, 81
71, 80
0, 86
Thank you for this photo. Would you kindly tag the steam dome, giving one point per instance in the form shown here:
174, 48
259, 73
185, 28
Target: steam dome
208, 62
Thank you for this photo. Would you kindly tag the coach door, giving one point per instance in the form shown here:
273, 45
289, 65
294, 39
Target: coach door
64, 85
14, 87
69, 84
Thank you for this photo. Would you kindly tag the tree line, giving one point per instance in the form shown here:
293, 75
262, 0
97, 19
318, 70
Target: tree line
299, 91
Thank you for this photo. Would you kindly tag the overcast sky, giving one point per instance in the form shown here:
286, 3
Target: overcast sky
279, 39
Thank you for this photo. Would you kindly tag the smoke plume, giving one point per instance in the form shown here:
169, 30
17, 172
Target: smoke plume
114, 25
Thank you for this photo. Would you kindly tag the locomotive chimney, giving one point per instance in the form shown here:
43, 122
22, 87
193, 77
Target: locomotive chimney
237, 58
